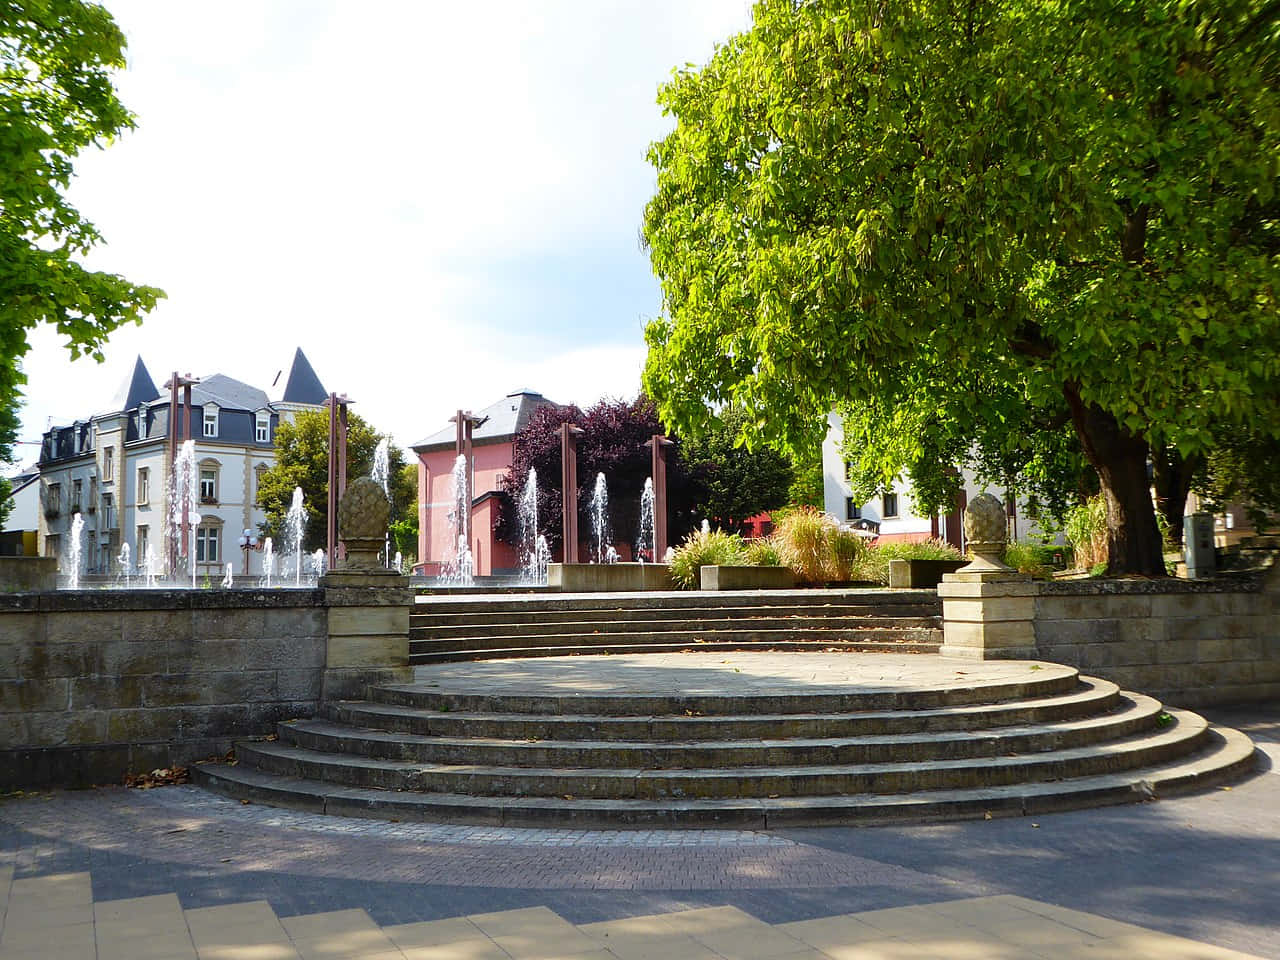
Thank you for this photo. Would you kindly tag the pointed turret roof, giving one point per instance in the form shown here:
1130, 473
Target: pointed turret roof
303, 386
137, 388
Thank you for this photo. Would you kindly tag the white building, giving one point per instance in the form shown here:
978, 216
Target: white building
20, 535
116, 470
893, 513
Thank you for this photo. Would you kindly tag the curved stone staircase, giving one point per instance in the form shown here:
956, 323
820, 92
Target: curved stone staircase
443, 629
1004, 738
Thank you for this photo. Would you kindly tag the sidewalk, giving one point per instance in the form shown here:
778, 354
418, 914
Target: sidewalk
176, 872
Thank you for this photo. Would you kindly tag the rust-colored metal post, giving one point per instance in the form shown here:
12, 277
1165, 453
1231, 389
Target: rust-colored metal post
658, 444
569, 489
337, 474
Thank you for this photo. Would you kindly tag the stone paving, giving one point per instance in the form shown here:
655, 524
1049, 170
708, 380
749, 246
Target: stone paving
174, 872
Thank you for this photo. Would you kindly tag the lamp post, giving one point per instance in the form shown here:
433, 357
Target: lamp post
248, 541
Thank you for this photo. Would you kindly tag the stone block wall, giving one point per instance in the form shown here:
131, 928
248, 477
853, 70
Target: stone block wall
1188, 643
95, 684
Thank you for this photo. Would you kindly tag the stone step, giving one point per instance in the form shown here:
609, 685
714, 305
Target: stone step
673, 600
1091, 697
927, 614
450, 655
1135, 715
540, 626
695, 635
1224, 755
1039, 681
1179, 737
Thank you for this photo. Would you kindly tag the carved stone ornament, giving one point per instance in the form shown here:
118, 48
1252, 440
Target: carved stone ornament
363, 514
985, 532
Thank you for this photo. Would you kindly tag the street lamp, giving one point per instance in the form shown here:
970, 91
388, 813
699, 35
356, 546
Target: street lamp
248, 541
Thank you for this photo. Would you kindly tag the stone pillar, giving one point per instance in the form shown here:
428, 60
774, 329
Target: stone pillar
988, 609
368, 603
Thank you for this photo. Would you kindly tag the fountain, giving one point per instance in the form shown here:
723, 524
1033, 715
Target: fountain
645, 537
295, 526
184, 501
459, 569
319, 563
75, 550
600, 519
533, 547
381, 475
398, 565
148, 565
123, 560
268, 561
230, 574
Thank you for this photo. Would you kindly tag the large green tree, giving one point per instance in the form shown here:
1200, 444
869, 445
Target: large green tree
302, 460
736, 482
56, 99
998, 213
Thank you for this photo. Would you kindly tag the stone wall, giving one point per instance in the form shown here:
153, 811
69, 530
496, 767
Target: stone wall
94, 684
1188, 643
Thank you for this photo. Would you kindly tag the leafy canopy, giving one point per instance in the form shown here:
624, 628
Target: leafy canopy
56, 99
302, 460
974, 224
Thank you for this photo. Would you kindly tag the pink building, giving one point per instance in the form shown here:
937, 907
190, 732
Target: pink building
492, 452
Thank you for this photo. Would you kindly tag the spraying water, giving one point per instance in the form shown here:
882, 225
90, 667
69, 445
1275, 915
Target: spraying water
295, 525
123, 560
381, 475
184, 503
319, 563
227, 579
458, 570
75, 550
268, 561
149, 566
533, 568
645, 538
398, 566
706, 526
600, 518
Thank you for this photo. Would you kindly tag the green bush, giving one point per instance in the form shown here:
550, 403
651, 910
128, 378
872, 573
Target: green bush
1086, 530
763, 553
1034, 559
847, 550
874, 564
712, 548
803, 538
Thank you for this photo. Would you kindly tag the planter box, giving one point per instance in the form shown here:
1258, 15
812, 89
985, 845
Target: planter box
608, 577
28, 574
904, 574
747, 578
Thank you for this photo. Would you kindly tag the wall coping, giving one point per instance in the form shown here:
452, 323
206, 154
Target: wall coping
1136, 587
109, 600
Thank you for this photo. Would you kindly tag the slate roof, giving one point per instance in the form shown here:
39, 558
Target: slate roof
303, 386
228, 394
505, 419
137, 388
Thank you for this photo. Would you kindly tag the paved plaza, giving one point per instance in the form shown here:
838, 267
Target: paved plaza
177, 872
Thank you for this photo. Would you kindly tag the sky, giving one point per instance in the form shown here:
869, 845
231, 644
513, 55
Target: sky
439, 202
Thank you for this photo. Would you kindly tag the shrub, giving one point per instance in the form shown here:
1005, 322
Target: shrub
1033, 559
763, 553
1086, 529
803, 538
847, 550
874, 565
712, 548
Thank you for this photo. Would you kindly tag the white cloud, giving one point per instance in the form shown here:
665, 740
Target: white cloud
357, 179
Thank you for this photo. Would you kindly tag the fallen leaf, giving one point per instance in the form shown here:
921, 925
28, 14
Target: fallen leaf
987, 815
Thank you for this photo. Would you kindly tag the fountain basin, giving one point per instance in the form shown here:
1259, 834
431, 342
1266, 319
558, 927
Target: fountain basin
28, 573
608, 577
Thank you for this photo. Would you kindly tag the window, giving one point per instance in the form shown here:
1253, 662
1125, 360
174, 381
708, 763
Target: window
259, 472
108, 511
52, 545
208, 485
53, 500
143, 430
851, 510
142, 540
210, 421
890, 505
144, 486
108, 464
77, 491
207, 544
262, 428
848, 472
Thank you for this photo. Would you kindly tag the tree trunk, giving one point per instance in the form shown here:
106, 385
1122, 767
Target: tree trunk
1120, 459
1172, 477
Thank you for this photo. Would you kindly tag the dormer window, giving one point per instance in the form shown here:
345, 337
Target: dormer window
262, 427
210, 420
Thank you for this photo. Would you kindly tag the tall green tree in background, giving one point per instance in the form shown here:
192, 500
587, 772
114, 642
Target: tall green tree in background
56, 99
302, 460
734, 482
977, 221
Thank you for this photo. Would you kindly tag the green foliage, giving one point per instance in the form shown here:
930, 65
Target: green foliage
763, 553
874, 565
1034, 231
807, 487
1033, 559
712, 548
738, 478
302, 460
56, 99
1242, 468
404, 526
1086, 531
803, 539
